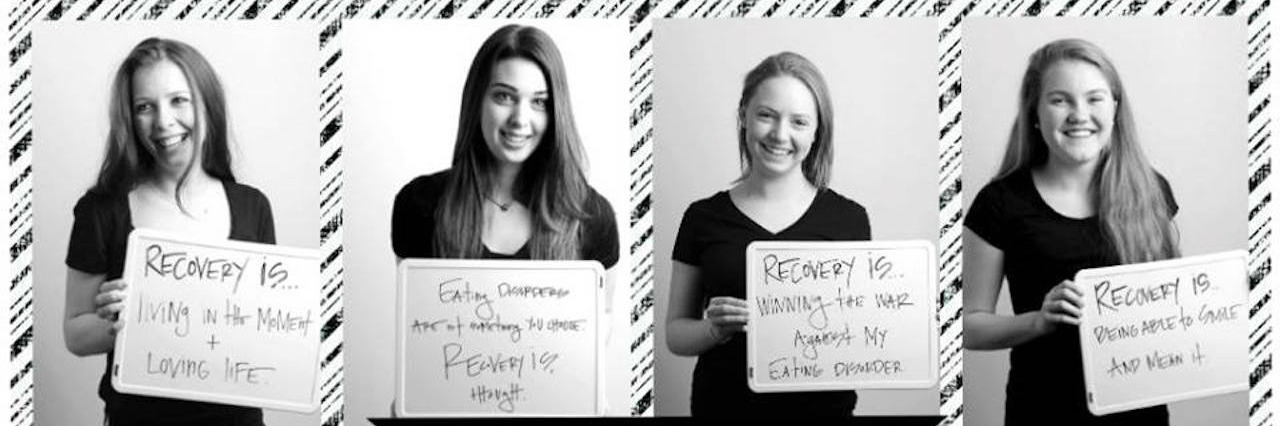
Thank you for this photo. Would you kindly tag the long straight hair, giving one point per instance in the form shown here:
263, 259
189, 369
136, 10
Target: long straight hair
129, 160
817, 166
551, 182
1132, 208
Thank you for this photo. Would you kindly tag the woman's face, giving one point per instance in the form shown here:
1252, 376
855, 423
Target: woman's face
1076, 112
513, 115
164, 115
780, 123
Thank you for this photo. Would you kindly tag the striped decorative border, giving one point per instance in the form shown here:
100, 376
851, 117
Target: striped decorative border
330, 14
23, 15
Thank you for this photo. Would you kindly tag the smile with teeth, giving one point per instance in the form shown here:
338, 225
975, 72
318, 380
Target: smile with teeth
169, 141
1079, 132
776, 150
512, 138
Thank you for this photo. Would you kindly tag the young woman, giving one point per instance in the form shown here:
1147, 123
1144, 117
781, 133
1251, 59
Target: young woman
785, 133
167, 167
1074, 192
517, 188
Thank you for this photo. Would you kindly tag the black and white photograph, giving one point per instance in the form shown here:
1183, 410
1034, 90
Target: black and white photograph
502, 144
1092, 143
787, 130
203, 131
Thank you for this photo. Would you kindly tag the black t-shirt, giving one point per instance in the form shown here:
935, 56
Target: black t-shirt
713, 237
413, 224
98, 240
1041, 249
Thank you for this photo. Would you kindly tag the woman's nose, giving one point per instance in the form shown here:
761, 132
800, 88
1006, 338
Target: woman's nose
164, 117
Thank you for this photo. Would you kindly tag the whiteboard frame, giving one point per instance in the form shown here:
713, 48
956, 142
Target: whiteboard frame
133, 251
402, 330
1090, 384
931, 280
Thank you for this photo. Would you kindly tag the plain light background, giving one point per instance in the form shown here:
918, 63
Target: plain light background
882, 74
403, 87
1187, 89
268, 71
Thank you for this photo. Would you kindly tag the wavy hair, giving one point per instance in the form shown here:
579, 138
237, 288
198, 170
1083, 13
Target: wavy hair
551, 182
1132, 207
128, 160
817, 166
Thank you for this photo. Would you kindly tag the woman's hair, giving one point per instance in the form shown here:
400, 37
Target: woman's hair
1132, 207
128, 160
551, 182
817, 166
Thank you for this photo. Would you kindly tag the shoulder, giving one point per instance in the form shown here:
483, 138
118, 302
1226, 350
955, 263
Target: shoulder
1165, 188
97, 202
245, 195
426, 186
598, 207
836, 203
715, 205
1014, 185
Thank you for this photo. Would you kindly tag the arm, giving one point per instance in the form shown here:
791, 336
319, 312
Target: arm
986, 330
688, 334
89, 300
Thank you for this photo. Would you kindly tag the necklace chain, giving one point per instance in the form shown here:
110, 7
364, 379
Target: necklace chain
501, 206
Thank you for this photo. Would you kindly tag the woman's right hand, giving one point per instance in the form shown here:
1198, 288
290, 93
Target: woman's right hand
110, 301
1062, 305
727, 315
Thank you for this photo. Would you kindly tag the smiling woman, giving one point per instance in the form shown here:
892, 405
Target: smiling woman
516, 189
167, 167
1075, 191
784, 142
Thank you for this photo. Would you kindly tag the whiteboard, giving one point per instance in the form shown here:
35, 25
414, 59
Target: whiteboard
499, 338
841, 315
220, 321
1159, 332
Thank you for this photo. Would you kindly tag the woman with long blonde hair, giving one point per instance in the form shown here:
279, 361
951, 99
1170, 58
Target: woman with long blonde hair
167, 167
1074, 191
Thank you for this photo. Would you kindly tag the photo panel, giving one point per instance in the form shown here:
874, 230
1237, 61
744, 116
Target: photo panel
881, 80
267, 75
1183, 83
401, 124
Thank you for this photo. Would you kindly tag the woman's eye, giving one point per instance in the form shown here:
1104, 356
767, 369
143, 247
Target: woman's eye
141, 108
540, 104
503, 98
800, 123
1057, 101
180, 100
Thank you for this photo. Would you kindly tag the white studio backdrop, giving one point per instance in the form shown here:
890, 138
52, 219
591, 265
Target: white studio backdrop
1187, 88
268, 73
402, 91
882, 74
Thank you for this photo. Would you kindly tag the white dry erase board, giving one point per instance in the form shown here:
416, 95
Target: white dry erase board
499, 338
841, 315
220, 321
1159, 332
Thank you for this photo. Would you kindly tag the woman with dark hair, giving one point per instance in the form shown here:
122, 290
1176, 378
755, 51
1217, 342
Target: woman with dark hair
1074, 192
167, 167
517, 188
785, 136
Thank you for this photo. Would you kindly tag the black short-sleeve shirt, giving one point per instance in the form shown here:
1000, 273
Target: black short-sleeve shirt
99, 236
413, 224
1041, 249
714, 236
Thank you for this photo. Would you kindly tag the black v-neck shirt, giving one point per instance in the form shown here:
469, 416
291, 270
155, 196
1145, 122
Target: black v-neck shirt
1041, 248
713, 237
413, 224
99, 237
